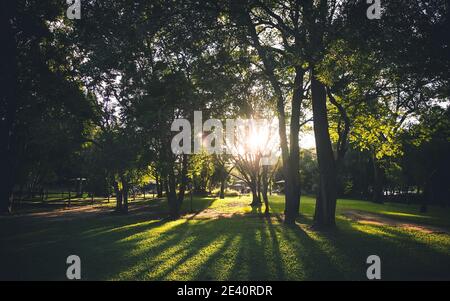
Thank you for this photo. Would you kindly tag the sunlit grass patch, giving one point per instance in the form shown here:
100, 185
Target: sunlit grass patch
244, 245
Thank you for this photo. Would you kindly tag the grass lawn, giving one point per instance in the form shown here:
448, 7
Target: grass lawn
225, 241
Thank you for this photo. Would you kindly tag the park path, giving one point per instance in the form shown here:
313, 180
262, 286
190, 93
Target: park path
369, 218
84, 211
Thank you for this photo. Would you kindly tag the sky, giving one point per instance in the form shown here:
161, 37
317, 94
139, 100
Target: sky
307, 141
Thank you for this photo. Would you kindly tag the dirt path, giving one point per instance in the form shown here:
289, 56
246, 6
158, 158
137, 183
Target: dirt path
70, 213
379, 220
59, 213
85, 211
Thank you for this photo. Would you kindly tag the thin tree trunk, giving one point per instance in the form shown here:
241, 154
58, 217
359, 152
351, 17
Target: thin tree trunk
222, 189
258, 185
172, 195
427, 192
256, 201
294, 154
79, 188
118, 193
125, 191
125, 198
265, 185
184, 180
159, 186
377, 194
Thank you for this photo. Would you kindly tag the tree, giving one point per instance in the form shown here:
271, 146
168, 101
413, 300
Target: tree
273, 31
425, 163
45, 113
223, 168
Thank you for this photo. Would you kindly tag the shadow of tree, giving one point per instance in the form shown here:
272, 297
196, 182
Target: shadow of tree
241, 247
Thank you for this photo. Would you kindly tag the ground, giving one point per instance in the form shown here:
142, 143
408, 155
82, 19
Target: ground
224, 240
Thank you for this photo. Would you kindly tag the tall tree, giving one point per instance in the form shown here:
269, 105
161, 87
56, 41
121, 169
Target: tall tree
44, 110
273, 30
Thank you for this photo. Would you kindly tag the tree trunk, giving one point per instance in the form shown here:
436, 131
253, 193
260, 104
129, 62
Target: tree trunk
222, 189
324, 216
125, 198
172, 195
159, 186
125, 190
118, 193
223, 181
258, 186
8, 99
79, 188
265, 185
428, 193
256, 201
82, 192
377, 194
184, 180
294, 153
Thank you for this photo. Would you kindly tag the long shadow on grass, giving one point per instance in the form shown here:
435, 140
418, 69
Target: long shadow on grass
196, 250
402, 256
275, 248
236, 248
249, 248
37, 248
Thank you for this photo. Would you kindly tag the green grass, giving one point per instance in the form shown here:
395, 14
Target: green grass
244, 246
